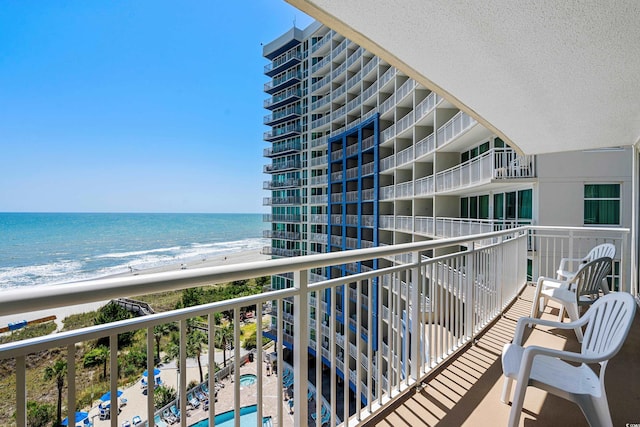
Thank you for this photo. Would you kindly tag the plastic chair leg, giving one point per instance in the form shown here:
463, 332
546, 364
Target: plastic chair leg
506, 390
572, 311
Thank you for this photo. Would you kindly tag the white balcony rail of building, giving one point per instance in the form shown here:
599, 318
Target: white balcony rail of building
387, 163
457, 125
320, 102
318, 199
354, 56
368, 142
426, 145
370, 91
336, 197
387, 76
386, 221
404, 223
336, 219
352, 196
489, 165
318, 161
340, 48
368, 194
387, 192
324, 61
387, 104
318, 180
355, 79
291, 54
341, 69
337, 154
320, 83
352, 173
466, 290
323, 41
405, 89
336, 176
424, 224
404, 189
405, 123
369, 66
319, 142
424, 186
427, 105
405, 156
388, 133
367, 169
319, 218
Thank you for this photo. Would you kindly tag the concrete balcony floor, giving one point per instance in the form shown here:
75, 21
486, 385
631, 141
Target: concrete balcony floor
466, 391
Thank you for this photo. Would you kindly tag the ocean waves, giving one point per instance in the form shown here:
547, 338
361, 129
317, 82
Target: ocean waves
113, 262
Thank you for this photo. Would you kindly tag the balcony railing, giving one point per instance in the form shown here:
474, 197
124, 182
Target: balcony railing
454, 296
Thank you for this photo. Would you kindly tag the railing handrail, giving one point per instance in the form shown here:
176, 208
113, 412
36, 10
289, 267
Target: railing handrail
47, 297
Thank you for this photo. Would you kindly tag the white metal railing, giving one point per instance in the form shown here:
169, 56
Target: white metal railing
405, 156
319, 142
388, 133
426, 145
387, 192
320, 102
318, 161
405, 122
424, 186
388, 104
424, 224
367, 168
318, 180
324, 61
458, 124
454, 296
497, 163
427, 105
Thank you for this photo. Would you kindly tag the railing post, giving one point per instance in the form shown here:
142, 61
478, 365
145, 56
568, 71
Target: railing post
301, 338
416, 338
469, 298
113, 377
71, 386
21, 391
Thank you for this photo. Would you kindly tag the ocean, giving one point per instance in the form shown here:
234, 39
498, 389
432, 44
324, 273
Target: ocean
55, 248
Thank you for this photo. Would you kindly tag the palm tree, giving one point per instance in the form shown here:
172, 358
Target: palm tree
102, 356
158, 332
195, 340
57, 371
223, 337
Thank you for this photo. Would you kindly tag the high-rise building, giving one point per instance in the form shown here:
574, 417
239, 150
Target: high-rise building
362, 155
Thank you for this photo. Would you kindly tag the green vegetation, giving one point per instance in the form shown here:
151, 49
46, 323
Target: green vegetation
57, 372
39, 414
30, 331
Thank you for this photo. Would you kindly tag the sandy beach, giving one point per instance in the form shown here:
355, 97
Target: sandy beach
62, 312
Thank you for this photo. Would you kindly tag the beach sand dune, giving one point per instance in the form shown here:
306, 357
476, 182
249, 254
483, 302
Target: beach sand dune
62, 312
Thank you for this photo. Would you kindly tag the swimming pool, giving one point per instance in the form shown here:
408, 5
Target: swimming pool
248, 379
248, 417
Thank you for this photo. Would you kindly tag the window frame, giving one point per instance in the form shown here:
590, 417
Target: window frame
618, 199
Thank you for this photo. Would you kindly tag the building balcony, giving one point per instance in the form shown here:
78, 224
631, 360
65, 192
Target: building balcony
471, 314
281, 218
281, 63
282, 166
281, 83
283, 132
282, 116
280, 234
282, 99
288, 200
282, 149
275, 185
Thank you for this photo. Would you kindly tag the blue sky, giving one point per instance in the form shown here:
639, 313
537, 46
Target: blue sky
135, 106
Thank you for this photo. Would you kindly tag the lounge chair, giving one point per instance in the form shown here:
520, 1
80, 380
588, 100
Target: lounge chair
200, 394
136, 420
193, 401
169, 417
175, 411
159, 422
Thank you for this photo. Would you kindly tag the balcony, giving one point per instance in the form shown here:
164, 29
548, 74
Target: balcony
283, 62
281, 234
282, 99
282, 116
495, 164
274, 185
282, 166
288, 200
283, 82
283, 132
462, 317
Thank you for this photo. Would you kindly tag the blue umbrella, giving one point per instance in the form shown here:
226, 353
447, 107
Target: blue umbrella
156, 372
107, 396
81, 417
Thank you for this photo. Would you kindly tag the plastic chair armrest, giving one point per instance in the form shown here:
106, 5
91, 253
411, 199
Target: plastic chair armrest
524, 321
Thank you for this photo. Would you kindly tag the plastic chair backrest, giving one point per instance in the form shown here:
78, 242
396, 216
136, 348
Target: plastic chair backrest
589, 278
603, 250
610, 320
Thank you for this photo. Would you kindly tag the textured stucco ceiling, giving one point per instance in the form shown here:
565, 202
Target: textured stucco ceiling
547, 75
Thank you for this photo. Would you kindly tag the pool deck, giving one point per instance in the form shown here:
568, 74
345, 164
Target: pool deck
137, 400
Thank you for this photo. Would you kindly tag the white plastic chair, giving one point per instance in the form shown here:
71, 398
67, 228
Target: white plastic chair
608, 322
603, 250
583, 289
